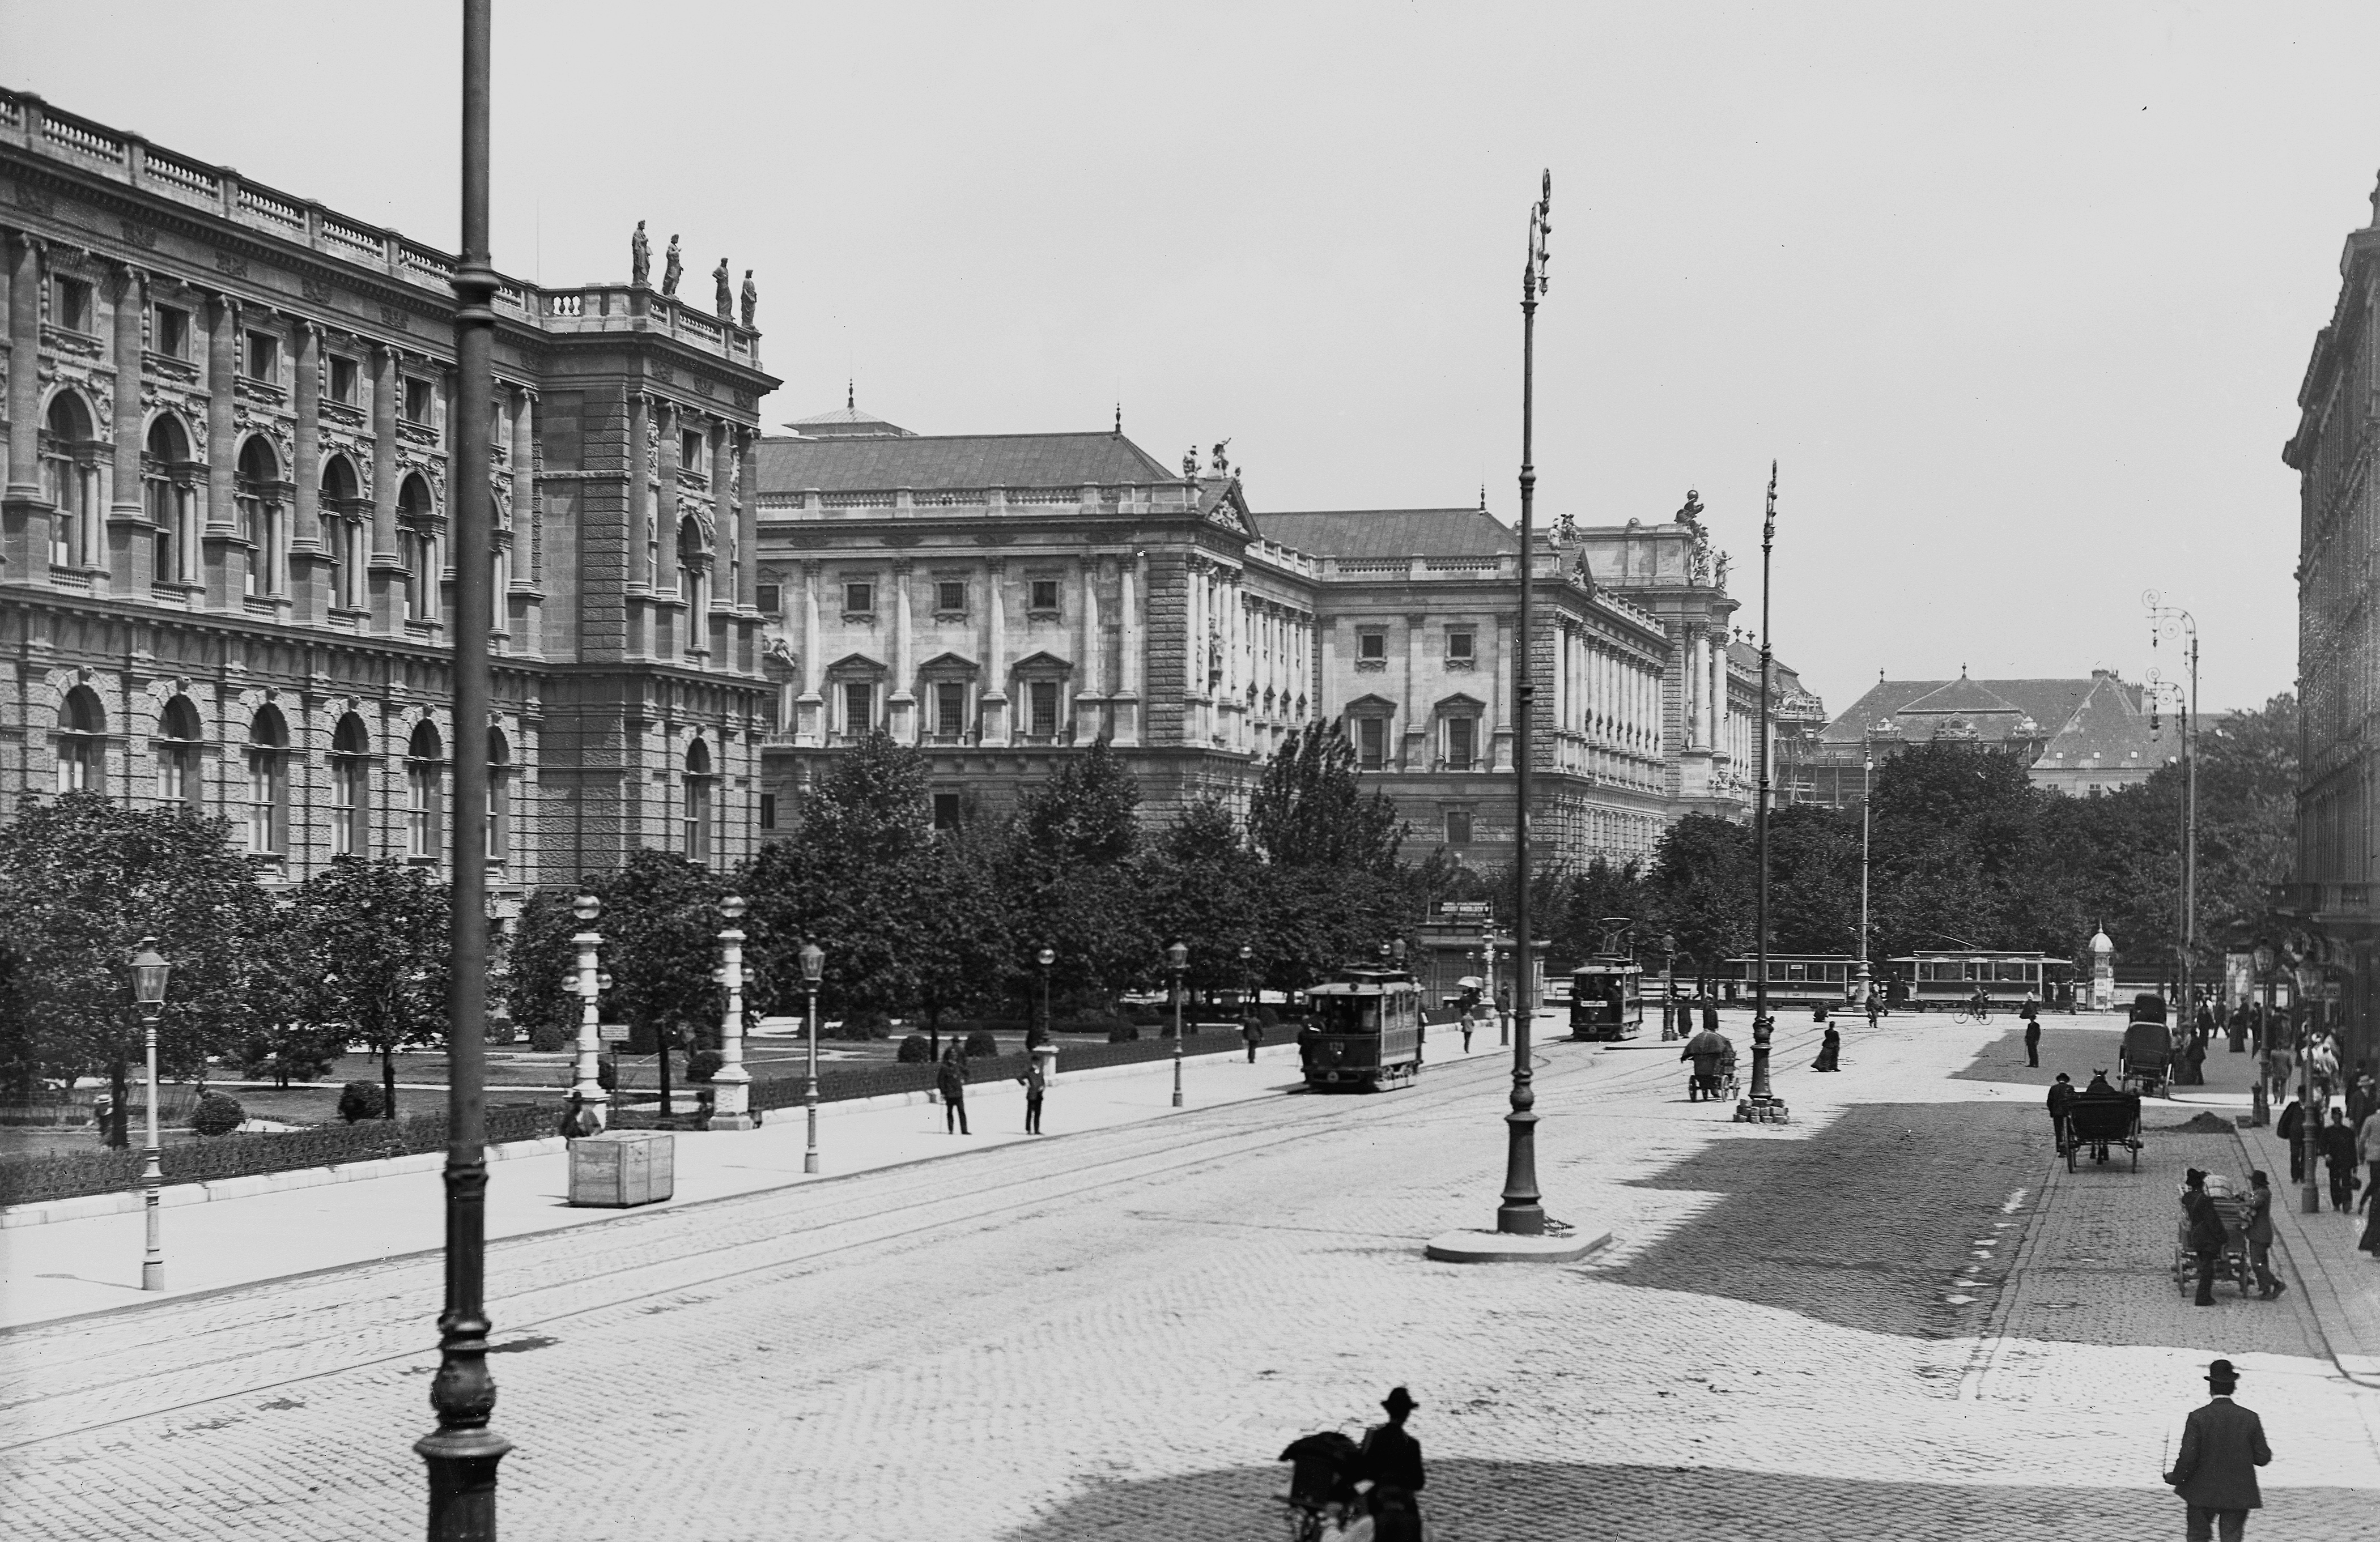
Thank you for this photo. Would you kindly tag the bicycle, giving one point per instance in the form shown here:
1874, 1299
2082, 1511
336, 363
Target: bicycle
1967, 1011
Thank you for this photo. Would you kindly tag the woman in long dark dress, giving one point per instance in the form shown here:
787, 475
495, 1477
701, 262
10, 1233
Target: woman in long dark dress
1830, 1048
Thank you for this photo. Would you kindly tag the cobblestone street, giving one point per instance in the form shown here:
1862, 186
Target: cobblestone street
1895, 1305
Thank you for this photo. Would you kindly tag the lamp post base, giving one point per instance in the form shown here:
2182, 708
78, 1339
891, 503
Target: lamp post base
1761, 1109
734, 1122
152, 1277
1504, 1247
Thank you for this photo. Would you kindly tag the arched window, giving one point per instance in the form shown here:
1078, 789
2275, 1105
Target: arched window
268, 783
83, 744
263, 522
417, 547
179, 778
170, 484
343, 524
350, 788
698, 802
70, 483
425, 791
500, 794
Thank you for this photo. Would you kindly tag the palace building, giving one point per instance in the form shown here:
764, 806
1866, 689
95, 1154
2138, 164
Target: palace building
227, 577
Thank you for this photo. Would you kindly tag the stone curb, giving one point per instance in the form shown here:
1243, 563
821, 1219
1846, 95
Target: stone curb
176, 1194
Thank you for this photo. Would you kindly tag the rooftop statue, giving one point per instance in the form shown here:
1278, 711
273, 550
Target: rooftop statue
1190, 462
1692, 514
1723, 560
640, 257
723, 291
672, 270
1220, 464
751, 298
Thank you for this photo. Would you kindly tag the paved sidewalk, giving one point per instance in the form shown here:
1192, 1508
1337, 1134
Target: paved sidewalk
67, 1267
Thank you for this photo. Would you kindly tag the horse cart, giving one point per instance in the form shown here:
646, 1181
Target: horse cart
2146, 1059
2100, 1121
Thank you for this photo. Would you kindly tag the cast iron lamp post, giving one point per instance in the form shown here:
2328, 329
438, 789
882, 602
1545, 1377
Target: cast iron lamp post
813, 966
2168, 621
1867, 780
1045, 958
1669, 984
462, 1453
1177, 958
1763, 1105
149, 971
731, 1100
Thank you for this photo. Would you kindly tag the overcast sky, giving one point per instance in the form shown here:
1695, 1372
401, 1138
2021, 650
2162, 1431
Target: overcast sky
2019, 295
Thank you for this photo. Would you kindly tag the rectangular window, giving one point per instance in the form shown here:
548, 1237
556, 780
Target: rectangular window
1371, 743
1372, 644
1458, 827
1458, 645
768, 810
1459, 734
690, 449
859, 699
349, 792
170, 333
859, 599
71, 308
343, 379
263, 357
950, 710
950, 595
946, 810
1045, 594
1045, 708
415, 405
768, 596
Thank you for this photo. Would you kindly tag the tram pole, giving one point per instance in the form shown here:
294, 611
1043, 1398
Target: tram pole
1761, 1026
1523, 1213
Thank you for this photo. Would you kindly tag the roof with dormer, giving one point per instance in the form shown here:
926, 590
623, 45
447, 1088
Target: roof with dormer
2108, 732
1995, 708
1390, 533
969, 461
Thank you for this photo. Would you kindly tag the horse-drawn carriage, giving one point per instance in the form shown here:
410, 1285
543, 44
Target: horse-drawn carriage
2146, 1060
2101, 1120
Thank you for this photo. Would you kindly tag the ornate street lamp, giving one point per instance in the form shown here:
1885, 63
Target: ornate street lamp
1867, 781
1762, 1105
731, 1102
589, 1102
1045, 958
462, 1453
1669, 984
1247, 1001
813, 966
2170, 621
1177, 958
150, 972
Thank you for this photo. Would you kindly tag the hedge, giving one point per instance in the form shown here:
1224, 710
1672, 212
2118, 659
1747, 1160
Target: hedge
65, 1174
872, 1081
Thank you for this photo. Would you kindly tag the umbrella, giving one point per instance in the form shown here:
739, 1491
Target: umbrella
1471, 982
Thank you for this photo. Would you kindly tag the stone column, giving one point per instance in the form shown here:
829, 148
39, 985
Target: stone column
131, 543
25, 410
807, 728
383, 579
901, 704
1718, 734
727, 577
643, 562
1092, 661
747, 519
226, 568
992, 709
1415, 753
672, 630
1500, 694
309, 557
1126, 699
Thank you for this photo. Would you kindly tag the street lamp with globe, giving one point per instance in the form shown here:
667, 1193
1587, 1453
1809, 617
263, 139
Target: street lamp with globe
730, 1099
590, 1101
150, 972
813, 959
1248, 999
1041, 1035
1177, 958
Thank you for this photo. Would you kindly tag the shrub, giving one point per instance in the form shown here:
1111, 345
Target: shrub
914, 1051
546, 1037
704, 1064
981, 1043
1123, 1033
217, 1115
864, 1025
361, 1100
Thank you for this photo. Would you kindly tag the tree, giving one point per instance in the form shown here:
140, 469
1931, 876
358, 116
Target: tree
378, 935
82, 880
541, 960
1089, 814
661, 926
1701, 887
1309, 812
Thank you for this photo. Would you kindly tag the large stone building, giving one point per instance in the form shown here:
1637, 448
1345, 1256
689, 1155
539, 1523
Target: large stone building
1003, 601
2080, 736
226, 572
2324, 913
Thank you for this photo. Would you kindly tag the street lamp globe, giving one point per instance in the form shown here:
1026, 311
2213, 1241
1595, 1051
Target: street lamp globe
586, 907
813, 959
1178, 956
732, 908
1046, 957
1246, 952
150, 970
1397, 951
603, 979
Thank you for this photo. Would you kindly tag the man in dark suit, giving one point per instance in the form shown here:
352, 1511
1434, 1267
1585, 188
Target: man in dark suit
2222, 1446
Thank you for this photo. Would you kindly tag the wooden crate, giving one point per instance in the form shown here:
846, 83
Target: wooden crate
620, 1168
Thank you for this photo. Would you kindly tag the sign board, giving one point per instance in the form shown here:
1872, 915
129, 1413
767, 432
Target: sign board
1478, 908
611, 1032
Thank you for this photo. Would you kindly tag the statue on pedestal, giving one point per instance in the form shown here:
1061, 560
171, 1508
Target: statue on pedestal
722, 291
640, 257
671, 269
1220, 464
751, 298
1723, 560
1691, 516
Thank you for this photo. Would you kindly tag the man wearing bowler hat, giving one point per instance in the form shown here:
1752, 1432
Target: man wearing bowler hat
2222, 1446
1391, 1458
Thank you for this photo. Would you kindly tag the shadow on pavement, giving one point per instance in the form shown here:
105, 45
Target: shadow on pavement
1859, 1226
1500, 1501
2076, 1051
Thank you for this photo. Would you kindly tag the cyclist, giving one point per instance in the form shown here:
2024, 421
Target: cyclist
1980, 1004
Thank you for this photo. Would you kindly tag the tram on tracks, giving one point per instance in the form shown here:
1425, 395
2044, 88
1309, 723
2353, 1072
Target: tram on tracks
1795, 979
1365, 1032
1606, 999
1947, 979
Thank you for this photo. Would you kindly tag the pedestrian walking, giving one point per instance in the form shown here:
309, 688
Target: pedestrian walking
2222, 1446
2260, 1235
1710, 1014
1390, 1459
1830, 1050
2367, 1151
2061, 1092
1465, 1023
1875, 1005
1706, 1050
2206, 1235
1035, 1083
951, 1082
2195, 1058
1252, 1033
2289, 1127
2339, 1154
2031, 1038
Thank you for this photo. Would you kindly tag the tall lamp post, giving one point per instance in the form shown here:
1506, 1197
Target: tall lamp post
731, 1100
149, 971
1867, 781
2184, 916
813, 968
2171, 621
1177, 958
1669, 984
1522, 1213
462, 1453
1763, 1105
1247, 1001
1045, 958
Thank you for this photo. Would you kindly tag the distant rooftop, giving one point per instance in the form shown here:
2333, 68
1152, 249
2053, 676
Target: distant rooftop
1991, 709
847, 423
1358, 533
885, 461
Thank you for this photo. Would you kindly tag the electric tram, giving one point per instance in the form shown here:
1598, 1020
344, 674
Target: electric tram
1949, 979
1795, 979
1606, 999
1364, 1031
